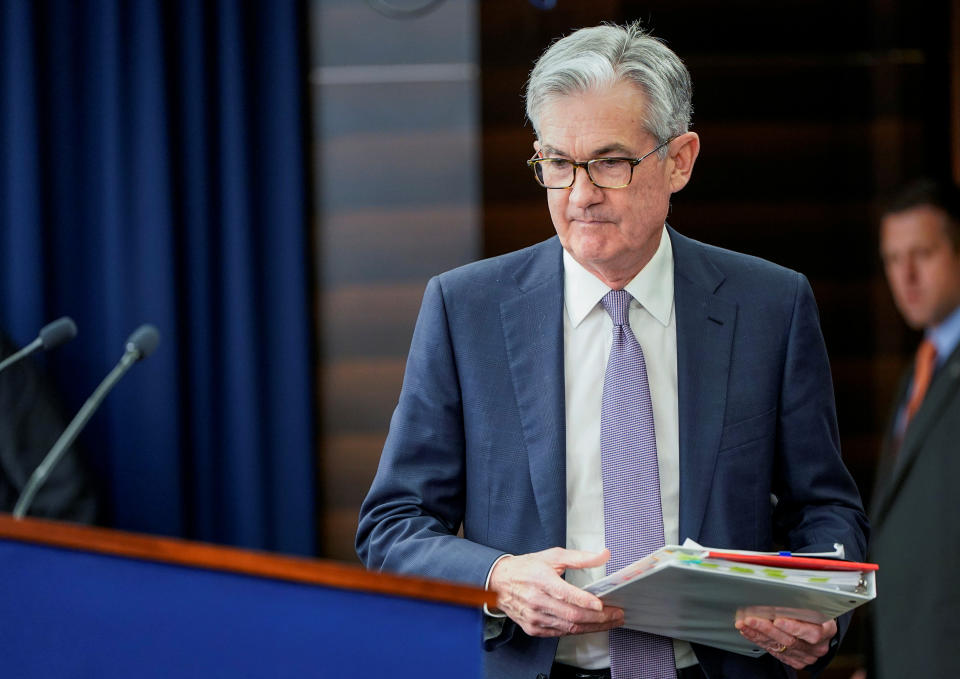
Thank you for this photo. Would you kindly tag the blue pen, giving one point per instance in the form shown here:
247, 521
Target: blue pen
785, 554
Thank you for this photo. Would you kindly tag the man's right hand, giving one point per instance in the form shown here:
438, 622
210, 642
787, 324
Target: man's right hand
532, 592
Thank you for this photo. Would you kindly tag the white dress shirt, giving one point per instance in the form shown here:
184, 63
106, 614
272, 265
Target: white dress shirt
587, 336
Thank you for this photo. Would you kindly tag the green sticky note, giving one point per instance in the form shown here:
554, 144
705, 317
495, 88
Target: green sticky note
774, 573
740, 569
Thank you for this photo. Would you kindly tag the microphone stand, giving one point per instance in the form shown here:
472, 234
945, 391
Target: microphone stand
140, 345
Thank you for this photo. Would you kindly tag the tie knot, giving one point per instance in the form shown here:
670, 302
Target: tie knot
617, 304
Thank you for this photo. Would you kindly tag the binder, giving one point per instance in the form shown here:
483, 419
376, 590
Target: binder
697, 593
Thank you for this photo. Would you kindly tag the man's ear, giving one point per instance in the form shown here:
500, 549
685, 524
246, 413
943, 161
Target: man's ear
536, 146
683, 154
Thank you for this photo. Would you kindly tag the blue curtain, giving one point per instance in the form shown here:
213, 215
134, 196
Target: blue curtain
153, 170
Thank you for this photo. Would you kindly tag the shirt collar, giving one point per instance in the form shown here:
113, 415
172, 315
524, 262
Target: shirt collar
946, 336
652, 287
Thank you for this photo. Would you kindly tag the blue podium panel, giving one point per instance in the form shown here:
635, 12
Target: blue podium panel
69, 613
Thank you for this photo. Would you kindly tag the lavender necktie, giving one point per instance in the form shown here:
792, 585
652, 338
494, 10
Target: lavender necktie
633, 520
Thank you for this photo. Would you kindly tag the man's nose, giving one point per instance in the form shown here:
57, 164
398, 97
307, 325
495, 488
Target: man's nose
910, 269
584, 192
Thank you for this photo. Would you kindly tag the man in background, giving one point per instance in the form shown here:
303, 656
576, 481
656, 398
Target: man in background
575, 405
916, 534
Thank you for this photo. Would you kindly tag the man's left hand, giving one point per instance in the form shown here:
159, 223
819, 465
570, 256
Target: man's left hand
793, 642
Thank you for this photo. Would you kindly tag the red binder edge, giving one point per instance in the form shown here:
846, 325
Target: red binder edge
792, 561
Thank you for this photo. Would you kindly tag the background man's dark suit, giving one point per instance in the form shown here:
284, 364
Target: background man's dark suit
478, 436
915, 626
916, 536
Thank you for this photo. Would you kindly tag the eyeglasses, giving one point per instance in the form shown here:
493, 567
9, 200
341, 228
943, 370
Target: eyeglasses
606, 173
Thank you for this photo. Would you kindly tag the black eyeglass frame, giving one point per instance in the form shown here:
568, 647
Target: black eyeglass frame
534, 162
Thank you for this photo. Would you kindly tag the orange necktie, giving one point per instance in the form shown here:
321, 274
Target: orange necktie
922, 373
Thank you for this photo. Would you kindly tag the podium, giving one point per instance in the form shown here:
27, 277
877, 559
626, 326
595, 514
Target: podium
77, 601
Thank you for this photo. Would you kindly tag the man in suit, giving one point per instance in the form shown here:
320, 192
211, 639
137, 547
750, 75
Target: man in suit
915, 506
575, 404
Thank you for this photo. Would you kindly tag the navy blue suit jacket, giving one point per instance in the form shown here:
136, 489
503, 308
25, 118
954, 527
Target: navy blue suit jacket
478, 437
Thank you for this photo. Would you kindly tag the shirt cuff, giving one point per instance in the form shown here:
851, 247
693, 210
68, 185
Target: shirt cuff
486, 586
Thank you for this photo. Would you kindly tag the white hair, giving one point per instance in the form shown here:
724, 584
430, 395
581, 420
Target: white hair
602, 56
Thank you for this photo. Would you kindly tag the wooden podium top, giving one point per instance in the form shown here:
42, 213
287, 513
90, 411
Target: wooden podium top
235, 560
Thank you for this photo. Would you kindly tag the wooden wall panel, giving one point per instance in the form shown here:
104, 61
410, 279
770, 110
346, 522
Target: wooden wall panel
397, 187
955, 88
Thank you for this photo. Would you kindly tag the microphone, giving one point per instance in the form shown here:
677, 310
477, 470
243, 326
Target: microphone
140, 344
51, 335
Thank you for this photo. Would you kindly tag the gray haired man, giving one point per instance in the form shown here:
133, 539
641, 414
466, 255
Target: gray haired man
573, 405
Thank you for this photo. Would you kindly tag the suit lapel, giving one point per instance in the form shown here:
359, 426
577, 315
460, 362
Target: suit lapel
533, 333
885, 465
705, 325
945, 384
